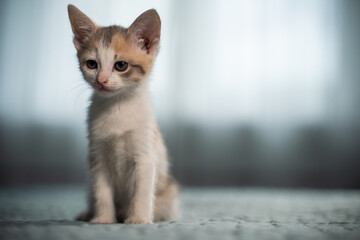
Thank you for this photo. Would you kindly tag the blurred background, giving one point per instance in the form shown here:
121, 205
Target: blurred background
247, 92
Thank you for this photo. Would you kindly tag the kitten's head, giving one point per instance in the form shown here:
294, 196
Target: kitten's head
115, 60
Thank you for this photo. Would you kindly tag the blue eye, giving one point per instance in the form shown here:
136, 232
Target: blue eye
91, 64
121, 66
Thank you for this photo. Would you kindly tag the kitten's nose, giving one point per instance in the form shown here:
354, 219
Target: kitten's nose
102, 79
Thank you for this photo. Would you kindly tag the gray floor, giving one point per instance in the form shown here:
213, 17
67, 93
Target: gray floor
47, 213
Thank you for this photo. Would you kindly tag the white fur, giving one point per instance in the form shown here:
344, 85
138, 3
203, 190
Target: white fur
136, 117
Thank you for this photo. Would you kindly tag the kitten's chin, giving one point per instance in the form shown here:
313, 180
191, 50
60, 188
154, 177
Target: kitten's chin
103, 92
106, 93
124, 92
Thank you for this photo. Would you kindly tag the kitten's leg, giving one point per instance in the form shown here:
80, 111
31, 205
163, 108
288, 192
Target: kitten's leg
141, 208
103, 201
167, 203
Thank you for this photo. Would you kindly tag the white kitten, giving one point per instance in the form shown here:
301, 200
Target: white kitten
130, 181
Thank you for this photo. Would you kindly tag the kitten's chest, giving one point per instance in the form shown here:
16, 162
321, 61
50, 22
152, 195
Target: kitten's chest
114, 120
117, 153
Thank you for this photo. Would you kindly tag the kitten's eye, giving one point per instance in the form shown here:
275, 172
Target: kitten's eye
91, 64
121, 66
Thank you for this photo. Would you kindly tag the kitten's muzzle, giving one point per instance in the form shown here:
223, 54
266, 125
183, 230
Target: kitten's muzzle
102, 79
102, 82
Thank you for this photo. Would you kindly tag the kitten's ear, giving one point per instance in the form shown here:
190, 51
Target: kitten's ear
145, 30
82, 26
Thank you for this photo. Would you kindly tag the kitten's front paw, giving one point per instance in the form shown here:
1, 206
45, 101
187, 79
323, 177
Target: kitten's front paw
138, 220
103, 219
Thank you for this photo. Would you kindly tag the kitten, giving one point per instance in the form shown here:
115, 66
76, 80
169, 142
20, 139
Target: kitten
130, 180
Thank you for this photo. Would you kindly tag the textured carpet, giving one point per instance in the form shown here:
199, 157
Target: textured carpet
48, 213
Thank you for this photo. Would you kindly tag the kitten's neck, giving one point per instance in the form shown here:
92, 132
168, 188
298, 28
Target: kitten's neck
122, 105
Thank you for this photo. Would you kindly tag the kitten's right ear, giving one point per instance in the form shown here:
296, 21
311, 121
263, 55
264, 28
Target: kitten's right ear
82, 26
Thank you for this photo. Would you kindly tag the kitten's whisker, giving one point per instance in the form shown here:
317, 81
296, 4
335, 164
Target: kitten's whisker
77, 89
81, 92
79, 84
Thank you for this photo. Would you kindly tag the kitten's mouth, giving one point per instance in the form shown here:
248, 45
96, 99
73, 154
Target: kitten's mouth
103, 89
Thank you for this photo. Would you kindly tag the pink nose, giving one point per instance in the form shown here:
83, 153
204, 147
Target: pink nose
102, 79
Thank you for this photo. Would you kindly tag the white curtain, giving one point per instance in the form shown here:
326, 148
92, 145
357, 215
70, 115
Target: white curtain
263, 63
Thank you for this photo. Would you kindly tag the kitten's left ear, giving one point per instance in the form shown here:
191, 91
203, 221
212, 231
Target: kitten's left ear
145, 30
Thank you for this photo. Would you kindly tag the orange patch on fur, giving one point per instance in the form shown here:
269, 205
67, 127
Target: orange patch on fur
123, 46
